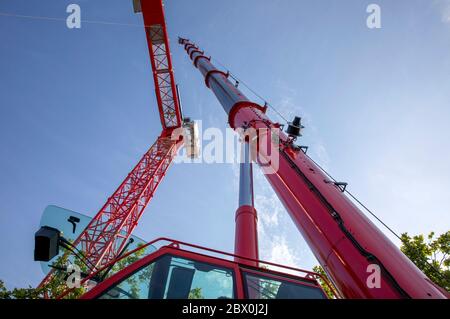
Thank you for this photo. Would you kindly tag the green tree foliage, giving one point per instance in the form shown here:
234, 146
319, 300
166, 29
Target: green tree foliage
134, 282
267, 289
53, 289
17, 293
431, 255
325, 287
196, 293
58, 284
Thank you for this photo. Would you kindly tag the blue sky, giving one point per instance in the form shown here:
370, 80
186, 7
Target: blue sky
77, 111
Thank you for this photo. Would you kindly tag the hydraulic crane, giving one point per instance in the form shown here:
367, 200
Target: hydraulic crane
344, 241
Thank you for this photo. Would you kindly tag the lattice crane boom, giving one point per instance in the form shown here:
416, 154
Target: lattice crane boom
161, 60
107, 233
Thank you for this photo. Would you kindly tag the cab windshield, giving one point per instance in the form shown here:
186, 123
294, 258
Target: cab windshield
263, 286
171, 277
175, 277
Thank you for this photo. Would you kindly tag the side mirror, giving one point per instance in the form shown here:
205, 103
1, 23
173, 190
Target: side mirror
46, 243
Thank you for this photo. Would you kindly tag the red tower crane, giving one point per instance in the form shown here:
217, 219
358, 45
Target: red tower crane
107, 233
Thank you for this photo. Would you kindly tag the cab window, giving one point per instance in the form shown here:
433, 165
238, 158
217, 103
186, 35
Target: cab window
172, 277
260, 286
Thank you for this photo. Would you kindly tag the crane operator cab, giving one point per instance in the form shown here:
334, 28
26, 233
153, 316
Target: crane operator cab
175, 273
170, 269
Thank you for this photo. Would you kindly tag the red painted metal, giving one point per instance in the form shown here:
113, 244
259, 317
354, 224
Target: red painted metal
196, 51
161, 60
343, 239
246, 234
173, 248
190, 46
198, 57
243, 104
102, 287
164, 243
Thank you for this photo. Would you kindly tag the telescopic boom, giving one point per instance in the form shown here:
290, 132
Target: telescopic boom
350, 248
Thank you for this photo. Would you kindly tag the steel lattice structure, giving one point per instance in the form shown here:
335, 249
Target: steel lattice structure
163, 77
107, 233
